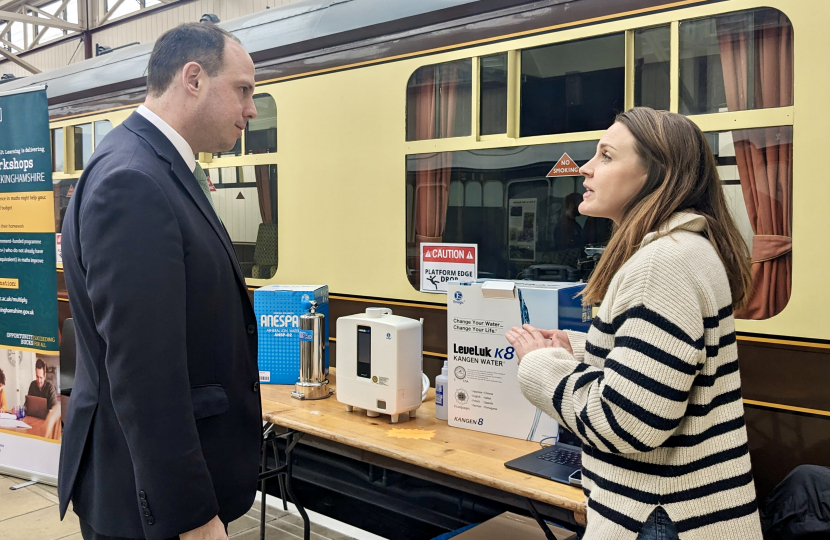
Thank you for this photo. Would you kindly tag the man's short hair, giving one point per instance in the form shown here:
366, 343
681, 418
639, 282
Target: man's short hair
40, 364
2, 377
190, 42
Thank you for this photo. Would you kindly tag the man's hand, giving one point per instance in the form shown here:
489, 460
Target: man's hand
527, 339
212, 530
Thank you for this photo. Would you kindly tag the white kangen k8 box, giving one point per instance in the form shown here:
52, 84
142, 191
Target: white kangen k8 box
379, 363
483, 386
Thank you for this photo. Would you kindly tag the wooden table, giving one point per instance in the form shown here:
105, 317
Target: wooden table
447, 451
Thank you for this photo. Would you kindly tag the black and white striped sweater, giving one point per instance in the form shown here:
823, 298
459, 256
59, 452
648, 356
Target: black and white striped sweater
653, 390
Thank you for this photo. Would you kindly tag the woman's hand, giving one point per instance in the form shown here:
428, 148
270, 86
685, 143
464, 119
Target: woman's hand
527, 339
558, 338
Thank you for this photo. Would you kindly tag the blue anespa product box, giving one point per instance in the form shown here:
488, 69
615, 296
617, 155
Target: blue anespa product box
278, 309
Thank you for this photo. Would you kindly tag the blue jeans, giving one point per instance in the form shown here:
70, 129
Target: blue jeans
658, 526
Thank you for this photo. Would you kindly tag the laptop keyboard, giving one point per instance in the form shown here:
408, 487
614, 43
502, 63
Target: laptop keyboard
563, 457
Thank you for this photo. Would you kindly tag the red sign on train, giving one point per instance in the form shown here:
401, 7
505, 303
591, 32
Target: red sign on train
564, 167
444, 263
449, 253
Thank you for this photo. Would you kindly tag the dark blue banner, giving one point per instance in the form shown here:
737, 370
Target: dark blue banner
28, 282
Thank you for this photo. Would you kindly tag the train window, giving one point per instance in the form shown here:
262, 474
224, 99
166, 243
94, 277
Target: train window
261, 132
232, 175
651, 67
736, 62
472, 193
755, 167
246, 201
525, 224
493, 194
102, 127
83, 145
439, 101
63, 192
228, 175
493, 105
57, 150
247, 174
456, 195
573, 86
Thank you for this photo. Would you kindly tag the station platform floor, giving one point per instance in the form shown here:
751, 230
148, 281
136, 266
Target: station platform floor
31, 513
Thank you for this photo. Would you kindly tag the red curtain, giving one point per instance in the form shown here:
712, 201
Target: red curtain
759, 46
435, 111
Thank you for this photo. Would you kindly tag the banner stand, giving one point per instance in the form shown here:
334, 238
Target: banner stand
30, 408
26, 474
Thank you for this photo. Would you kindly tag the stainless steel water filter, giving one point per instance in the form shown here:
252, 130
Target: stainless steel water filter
312, 383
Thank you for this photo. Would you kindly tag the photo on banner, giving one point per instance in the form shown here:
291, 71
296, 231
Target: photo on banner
30, 407
31, 381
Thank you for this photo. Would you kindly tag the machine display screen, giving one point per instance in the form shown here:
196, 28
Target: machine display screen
364, 351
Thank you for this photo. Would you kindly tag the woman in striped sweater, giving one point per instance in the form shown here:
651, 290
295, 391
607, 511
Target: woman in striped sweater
653, 388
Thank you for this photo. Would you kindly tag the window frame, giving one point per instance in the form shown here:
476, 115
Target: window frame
62, 149
71, 144
67, 126
707, 122
209, 161
475, 94
628, 84
244, 137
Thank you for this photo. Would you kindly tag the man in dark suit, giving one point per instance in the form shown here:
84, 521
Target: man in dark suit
162, 434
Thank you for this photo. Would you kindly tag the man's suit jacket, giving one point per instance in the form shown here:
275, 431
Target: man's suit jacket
163, 427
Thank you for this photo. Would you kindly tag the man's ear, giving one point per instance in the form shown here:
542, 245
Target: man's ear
191, 77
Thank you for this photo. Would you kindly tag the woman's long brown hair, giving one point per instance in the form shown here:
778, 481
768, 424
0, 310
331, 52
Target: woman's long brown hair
682, 175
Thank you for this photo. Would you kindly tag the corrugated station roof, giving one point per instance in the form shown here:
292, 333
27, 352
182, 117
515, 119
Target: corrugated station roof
285, 25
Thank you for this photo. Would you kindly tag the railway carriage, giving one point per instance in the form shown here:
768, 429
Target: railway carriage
383, 125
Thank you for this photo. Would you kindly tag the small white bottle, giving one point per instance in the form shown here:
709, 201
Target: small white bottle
441, 394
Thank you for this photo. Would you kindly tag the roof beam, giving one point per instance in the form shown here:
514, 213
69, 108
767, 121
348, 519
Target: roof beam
17, 5
109, 13
45, 14
19, 61
10, 44
39, 21
44, 29
36, 39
